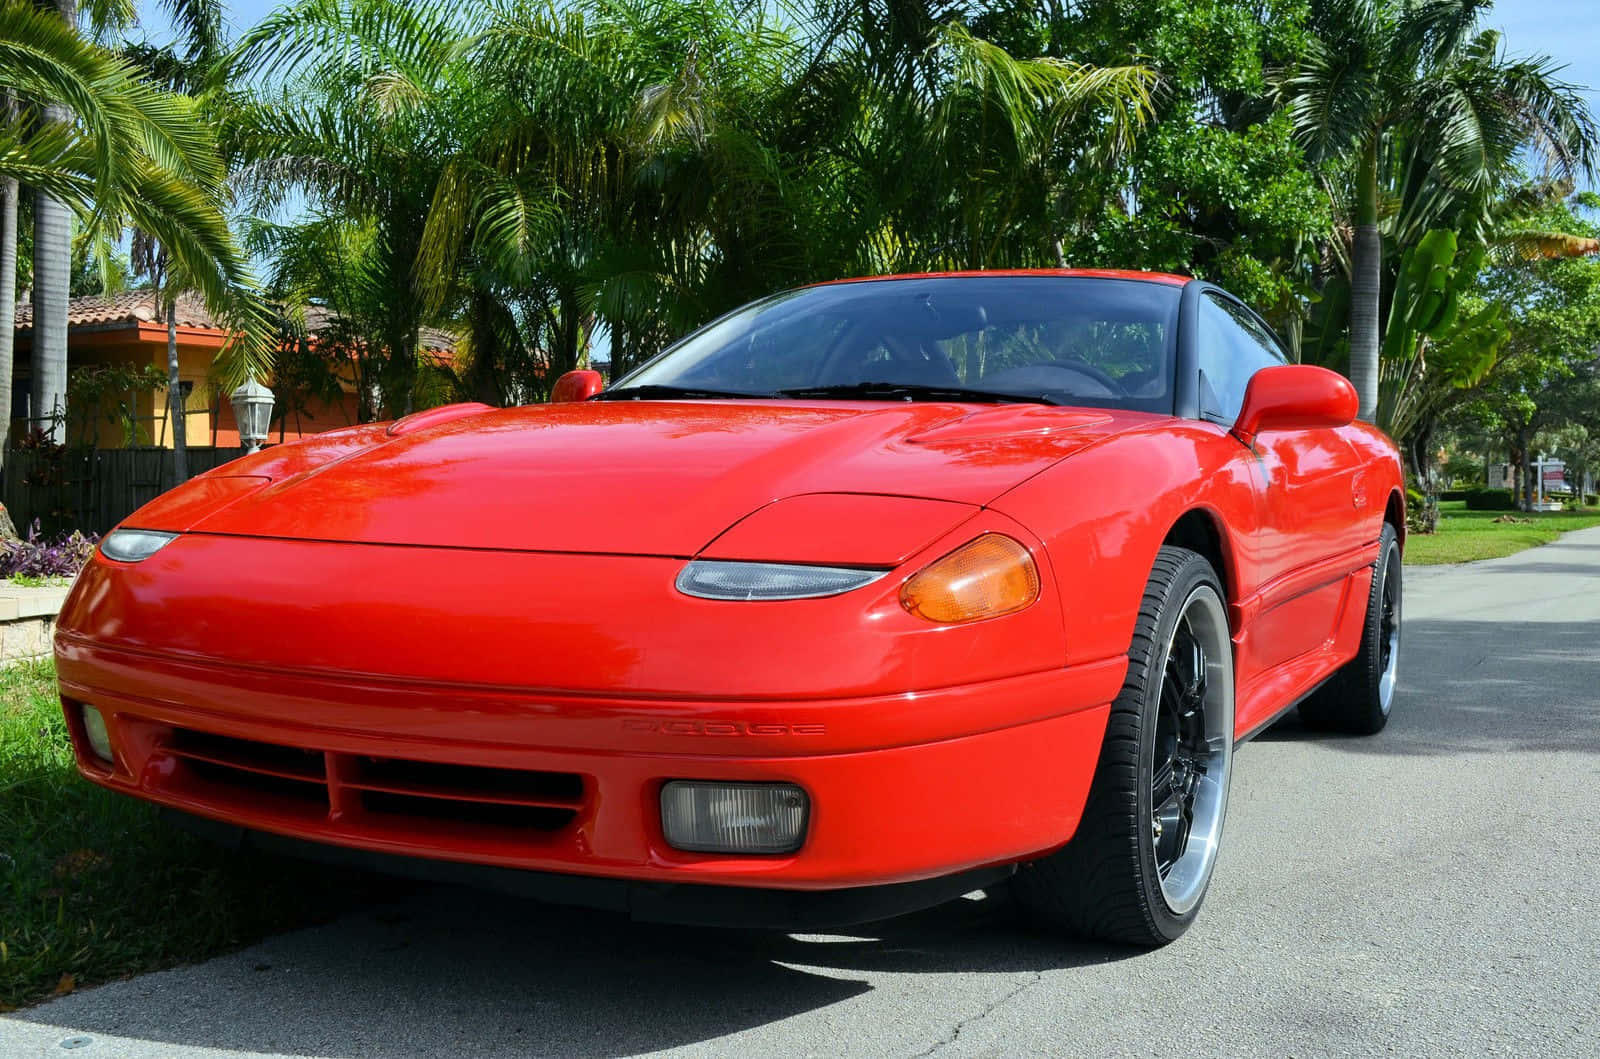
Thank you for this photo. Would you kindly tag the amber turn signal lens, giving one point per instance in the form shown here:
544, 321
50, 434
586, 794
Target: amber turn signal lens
984, 578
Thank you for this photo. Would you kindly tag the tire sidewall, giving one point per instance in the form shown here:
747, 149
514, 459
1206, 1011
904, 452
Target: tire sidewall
1196, 575
1388, 565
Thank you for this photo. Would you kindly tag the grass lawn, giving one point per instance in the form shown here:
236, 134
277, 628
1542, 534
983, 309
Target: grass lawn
1466, 535
93, 886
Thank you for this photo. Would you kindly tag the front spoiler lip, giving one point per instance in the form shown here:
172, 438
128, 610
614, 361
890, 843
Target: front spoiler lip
684, 904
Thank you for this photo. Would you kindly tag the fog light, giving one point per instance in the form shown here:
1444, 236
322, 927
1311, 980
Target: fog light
94, 729
734, 817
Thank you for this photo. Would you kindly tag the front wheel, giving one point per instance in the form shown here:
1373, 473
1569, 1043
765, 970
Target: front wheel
1139, 865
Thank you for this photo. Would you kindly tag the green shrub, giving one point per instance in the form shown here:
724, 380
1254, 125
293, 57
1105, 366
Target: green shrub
1490, 500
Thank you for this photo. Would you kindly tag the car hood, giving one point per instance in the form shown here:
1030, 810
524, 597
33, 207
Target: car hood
633, 477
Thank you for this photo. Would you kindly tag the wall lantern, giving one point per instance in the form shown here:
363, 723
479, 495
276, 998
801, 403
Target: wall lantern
252, 410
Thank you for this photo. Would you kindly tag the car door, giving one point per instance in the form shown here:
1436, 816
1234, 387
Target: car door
1304, 489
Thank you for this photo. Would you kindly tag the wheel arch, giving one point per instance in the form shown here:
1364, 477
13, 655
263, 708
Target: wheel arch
1394, 513
1199, 530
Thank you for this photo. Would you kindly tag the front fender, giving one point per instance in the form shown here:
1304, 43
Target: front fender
1104, 512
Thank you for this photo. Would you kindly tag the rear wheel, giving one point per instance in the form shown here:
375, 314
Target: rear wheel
1138, 868
1360, 695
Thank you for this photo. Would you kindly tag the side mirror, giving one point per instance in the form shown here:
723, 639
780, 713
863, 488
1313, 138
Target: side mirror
576, 386
1295, 397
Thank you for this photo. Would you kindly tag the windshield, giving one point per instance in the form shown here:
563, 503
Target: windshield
1063, 339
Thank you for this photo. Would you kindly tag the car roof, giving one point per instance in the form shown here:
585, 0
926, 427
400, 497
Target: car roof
1167, 278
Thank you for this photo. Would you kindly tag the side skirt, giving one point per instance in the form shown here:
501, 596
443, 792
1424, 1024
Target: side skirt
1262, 726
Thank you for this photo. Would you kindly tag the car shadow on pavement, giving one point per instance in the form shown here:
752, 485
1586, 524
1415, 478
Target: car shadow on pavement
1474, 686
1577, 570
451, 971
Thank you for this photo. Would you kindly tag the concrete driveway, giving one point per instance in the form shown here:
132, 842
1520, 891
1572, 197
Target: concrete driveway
1431, 891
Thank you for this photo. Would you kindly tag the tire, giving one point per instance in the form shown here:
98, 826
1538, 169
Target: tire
1127, 876
1360, 695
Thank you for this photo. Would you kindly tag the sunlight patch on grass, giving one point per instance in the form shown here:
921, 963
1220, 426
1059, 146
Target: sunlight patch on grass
1466, 536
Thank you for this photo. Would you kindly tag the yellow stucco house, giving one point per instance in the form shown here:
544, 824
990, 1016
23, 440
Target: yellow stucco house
127, 329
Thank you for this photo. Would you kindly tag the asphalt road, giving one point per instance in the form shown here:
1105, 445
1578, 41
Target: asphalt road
1431, 891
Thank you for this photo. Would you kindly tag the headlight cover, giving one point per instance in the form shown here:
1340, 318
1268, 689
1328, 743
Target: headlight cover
134, 545
719, 579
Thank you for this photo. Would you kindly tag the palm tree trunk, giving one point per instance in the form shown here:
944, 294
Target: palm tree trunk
1366, 267
52, 285
178, 413
8, 306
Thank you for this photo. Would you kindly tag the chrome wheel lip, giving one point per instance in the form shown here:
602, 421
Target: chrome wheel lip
1389, 614
1184, 883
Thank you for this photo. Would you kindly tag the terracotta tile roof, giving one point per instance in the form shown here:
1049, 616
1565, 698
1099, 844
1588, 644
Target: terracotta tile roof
433, 339
132, 307
126, 307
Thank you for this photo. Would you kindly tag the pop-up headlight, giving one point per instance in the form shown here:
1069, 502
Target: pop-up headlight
717, 579
134, 545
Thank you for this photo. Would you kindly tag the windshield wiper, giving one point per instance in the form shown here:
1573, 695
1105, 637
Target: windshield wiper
660, 392
910, 391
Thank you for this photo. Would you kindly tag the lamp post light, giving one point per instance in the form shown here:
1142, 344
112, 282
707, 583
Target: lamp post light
252, 410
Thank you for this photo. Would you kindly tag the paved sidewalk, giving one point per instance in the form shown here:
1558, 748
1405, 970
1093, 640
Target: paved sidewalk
1431, 891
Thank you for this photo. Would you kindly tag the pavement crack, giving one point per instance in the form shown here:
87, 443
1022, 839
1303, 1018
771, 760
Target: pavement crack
955, 1031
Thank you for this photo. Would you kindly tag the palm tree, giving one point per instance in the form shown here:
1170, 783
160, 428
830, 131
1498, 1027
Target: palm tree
355, 107
199, 22
10, 190
1406, 101
650, 164
52, 280
52, 250
990, 136
129, 152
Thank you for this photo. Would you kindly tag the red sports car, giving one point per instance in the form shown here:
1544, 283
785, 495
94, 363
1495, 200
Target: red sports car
862, 597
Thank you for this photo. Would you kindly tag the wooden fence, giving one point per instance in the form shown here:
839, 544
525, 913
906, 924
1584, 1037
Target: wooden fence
92, 489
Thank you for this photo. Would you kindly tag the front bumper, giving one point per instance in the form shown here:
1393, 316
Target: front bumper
484, 775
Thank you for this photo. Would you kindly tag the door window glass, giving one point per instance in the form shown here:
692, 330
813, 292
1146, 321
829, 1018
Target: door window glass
1232, 347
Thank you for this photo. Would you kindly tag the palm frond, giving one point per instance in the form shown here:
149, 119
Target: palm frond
1534, 244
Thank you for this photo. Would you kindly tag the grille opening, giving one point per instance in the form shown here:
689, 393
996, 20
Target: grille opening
470, 781
460, 806
491, 814
259, 783
247, 754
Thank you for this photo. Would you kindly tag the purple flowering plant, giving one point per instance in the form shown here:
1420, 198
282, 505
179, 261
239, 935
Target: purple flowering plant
39, 556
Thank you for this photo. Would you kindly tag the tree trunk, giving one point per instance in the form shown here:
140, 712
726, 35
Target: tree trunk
1366, 271
1525, 469
1419, 452
175, 402
52, 287
8, 305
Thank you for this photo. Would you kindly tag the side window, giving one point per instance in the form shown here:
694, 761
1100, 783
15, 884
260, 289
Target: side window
1232, 347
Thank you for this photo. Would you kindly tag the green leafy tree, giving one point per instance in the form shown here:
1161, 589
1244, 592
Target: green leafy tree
1552, 339
1216, 186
